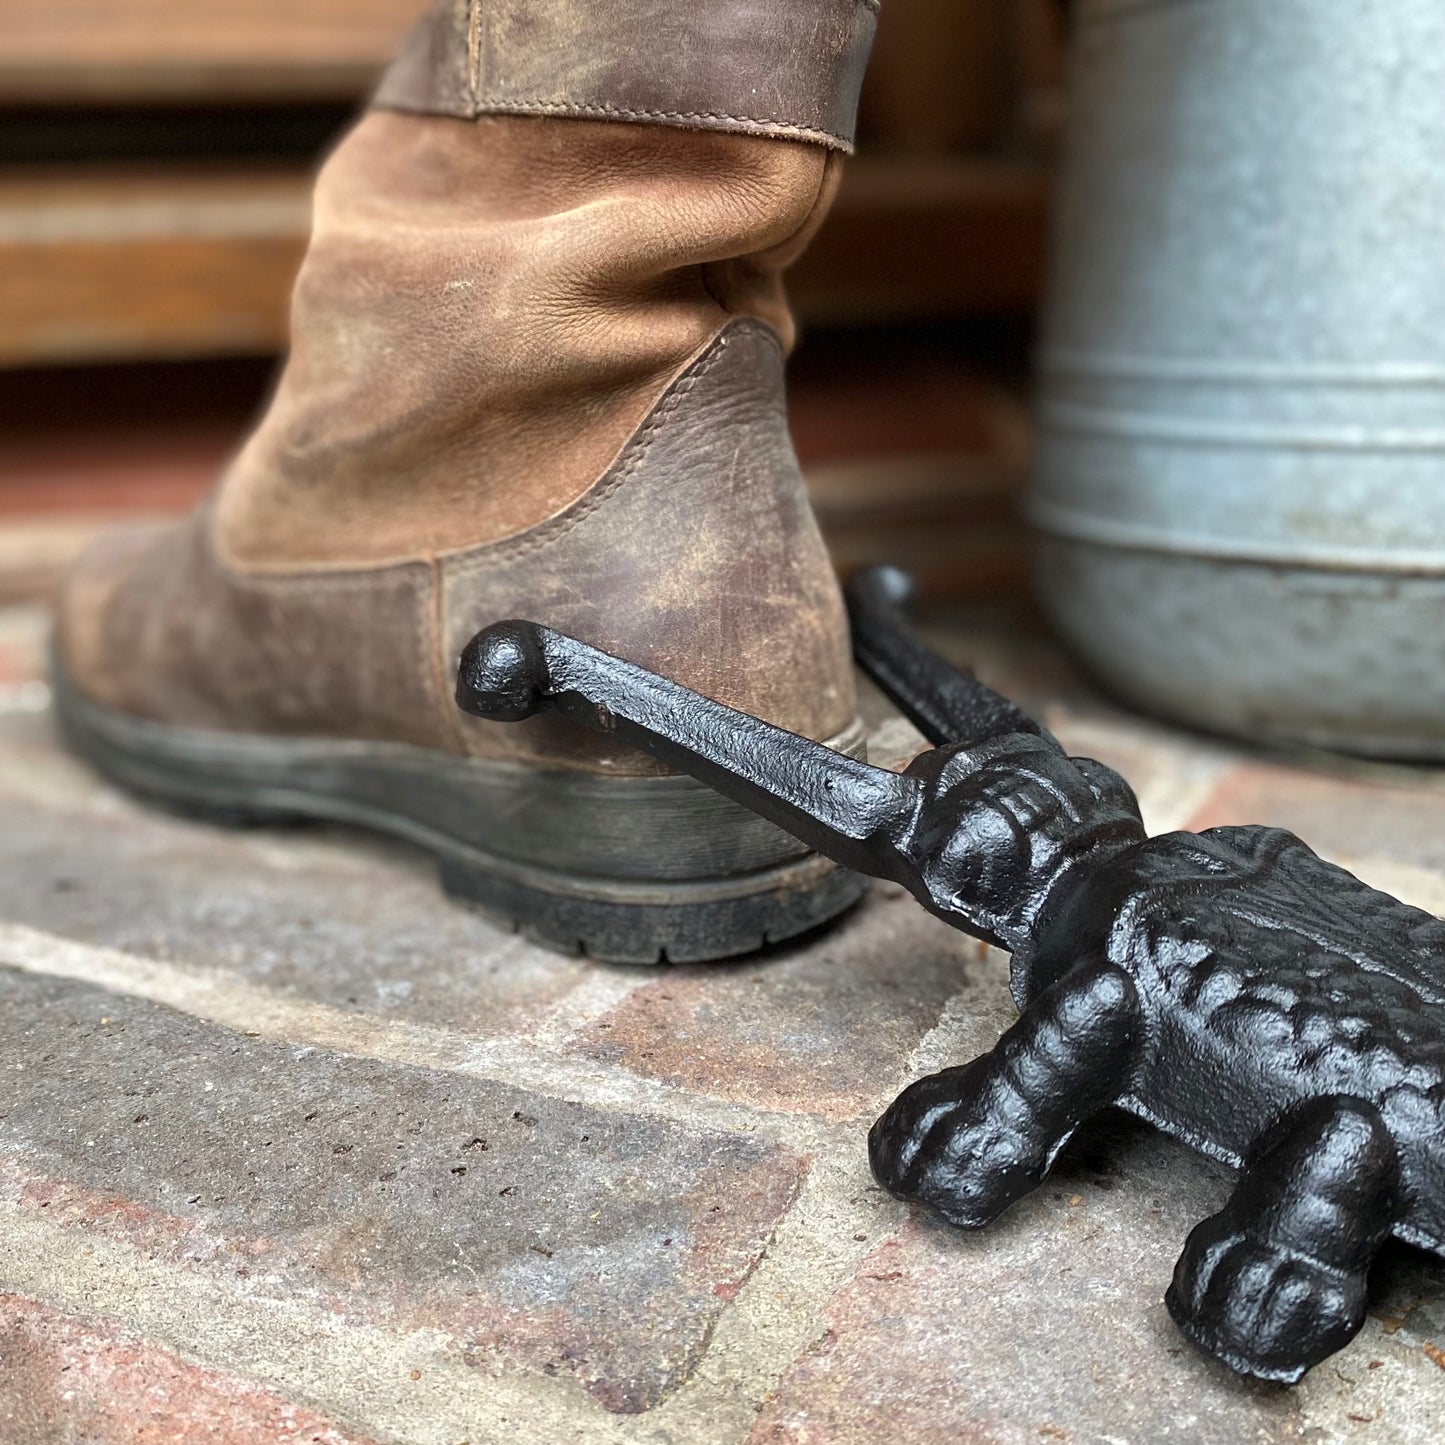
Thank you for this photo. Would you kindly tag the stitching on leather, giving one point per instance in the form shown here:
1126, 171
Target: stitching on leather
430, 659
299, 581
492, 554
638, 449
601, 111
317, 581
425, 654
469, 64
439, 667
472, 63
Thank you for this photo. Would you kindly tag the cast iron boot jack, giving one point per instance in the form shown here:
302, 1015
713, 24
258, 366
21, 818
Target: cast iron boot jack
1229, 986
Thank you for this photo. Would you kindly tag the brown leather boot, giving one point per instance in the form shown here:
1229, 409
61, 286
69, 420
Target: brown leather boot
536, 371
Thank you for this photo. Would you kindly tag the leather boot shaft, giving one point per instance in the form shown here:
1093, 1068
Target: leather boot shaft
487, 313
552, 210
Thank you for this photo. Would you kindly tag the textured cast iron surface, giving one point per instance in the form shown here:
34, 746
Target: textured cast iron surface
1229, 986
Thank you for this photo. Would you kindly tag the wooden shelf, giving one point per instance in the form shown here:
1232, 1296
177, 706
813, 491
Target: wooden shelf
924, 236
106, 258
64, 51
105, 263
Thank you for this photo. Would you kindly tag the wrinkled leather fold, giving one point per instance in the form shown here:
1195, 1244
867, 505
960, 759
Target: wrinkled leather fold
789, 68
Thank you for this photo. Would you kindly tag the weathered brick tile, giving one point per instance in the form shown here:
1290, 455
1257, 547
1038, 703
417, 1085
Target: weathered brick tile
1047, 1326
539, 1235
1008, 650
372, 933
1140, 756
35, 769
1341, 816
23, 631
823, 1029
83, 1380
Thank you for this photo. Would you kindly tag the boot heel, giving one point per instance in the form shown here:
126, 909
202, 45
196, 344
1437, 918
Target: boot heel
660, 923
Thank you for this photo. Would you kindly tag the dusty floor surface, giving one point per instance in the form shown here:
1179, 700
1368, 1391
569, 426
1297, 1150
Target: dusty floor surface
292, 1149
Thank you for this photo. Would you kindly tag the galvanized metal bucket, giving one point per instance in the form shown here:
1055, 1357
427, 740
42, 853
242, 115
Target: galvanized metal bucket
1241, 478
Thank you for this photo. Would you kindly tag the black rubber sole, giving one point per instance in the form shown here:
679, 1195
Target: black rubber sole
686, 929
627, 870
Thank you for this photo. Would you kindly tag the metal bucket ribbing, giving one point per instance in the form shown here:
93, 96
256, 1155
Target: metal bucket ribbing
1241, 479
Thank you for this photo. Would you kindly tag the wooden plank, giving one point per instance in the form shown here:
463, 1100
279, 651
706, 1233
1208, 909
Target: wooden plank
942, 76
953, 521
108, 50
927, 236
109, 264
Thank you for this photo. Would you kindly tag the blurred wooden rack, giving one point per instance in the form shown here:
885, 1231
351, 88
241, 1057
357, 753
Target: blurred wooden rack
104, 265
199, 262
101, 51
151, 255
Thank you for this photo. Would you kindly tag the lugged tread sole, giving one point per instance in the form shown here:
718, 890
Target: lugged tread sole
683, 931
613, 912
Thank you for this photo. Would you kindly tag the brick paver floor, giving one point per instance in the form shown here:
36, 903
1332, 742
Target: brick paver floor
292, 1149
